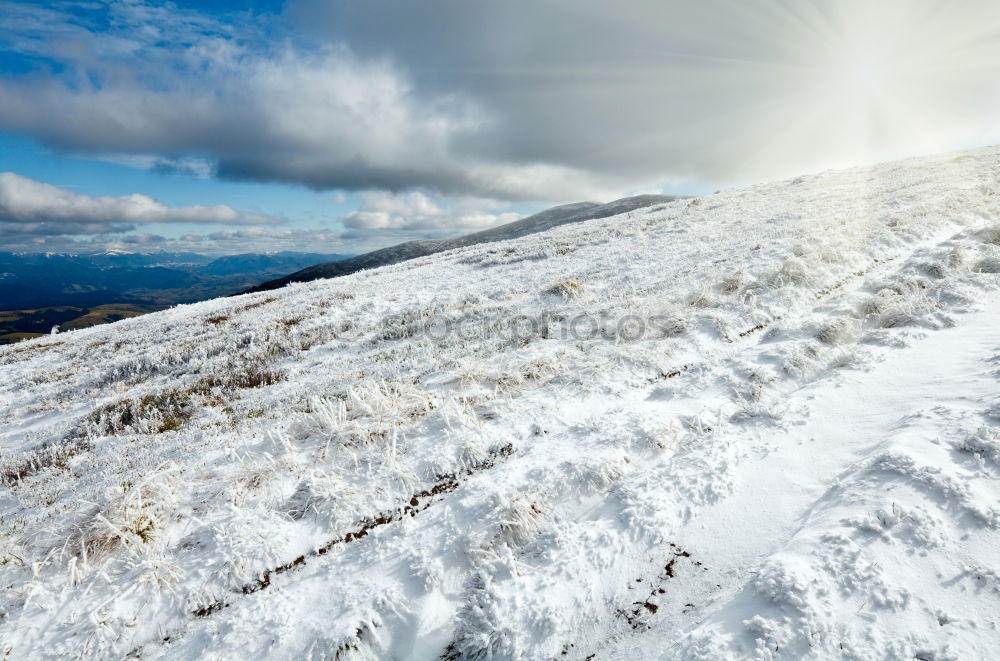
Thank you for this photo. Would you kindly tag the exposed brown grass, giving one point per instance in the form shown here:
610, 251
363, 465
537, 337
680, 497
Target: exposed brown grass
257, 304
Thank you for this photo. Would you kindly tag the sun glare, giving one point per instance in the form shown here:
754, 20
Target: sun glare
865, 84
866, 76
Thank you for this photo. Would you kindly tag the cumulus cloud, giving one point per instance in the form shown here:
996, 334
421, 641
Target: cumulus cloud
159, 86
14, 231
416, 214
223, 242
232, 241
515, 100
721, 90
41, 208
39, 216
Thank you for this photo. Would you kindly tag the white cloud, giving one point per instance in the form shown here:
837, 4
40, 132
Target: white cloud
160, 86
723, 91
541, 101
417, 213
223, 242
24, 200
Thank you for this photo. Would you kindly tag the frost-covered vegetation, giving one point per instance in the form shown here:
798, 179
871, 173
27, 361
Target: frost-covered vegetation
758, 424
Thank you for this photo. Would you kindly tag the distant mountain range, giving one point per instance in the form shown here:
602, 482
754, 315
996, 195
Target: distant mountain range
30, 280
539, 222
39, 290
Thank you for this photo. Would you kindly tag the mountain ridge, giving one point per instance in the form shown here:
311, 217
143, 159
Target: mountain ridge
573, 212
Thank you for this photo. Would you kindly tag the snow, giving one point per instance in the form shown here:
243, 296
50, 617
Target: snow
774, 434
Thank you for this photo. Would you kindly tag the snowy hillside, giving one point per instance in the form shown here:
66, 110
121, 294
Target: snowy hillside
543, 220
762, 424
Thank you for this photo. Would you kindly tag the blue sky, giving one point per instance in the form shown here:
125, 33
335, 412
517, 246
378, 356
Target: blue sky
342, 126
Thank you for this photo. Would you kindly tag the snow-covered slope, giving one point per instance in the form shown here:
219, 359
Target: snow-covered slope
759, 424
563, 214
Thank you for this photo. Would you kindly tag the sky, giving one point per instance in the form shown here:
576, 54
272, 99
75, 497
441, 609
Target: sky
347, 125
